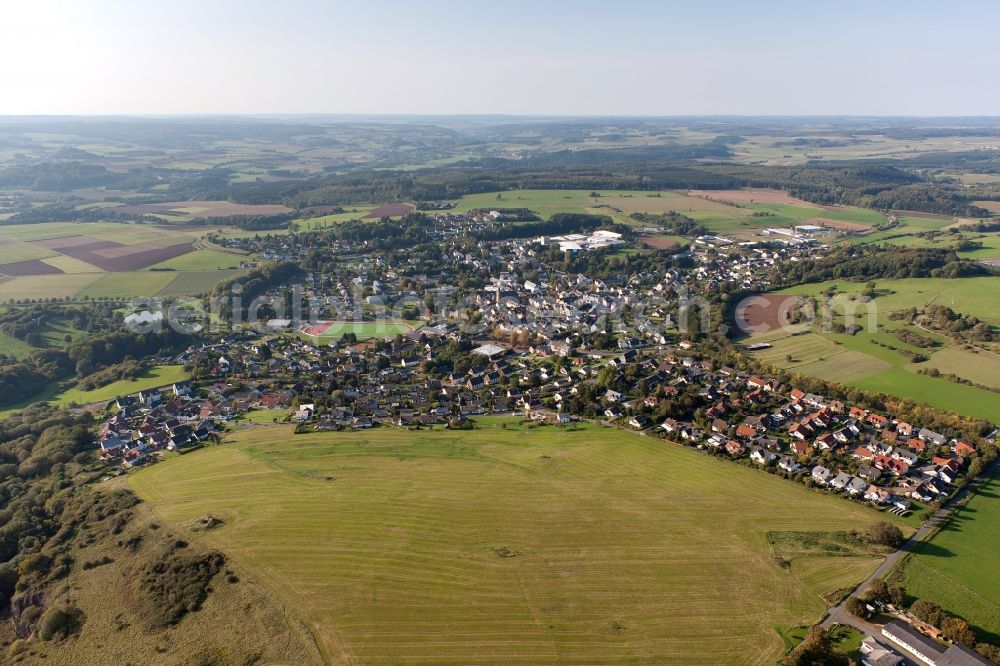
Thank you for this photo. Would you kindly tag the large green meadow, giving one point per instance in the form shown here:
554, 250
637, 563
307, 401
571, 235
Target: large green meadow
865, 360
509, 544
957, 567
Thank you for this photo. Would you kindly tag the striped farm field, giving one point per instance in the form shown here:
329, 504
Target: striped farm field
136, 283
107, 260
192, 283
511, 545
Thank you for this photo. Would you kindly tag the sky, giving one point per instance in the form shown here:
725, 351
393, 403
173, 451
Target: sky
539, 57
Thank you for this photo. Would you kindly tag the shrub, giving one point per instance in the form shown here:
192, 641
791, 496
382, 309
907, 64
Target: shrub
886, 534
59, 622
856, 607
958, 630
175, 585
927, 611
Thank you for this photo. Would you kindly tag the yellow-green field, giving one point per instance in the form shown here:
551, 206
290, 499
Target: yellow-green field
189, 274
200, 260
161, 375
717, 216
66, 285
512, 545
858, 361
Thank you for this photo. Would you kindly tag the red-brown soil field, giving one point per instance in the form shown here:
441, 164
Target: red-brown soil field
117, 257
764, 312
33, 267
658, 242
391, 210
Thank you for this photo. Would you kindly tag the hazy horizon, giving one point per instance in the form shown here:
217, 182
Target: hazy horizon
556, 59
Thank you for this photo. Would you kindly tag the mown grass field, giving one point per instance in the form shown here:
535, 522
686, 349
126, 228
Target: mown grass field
364, 330
11, 346
200, 260
784, 215
511, 545
858, 361
957, 566
161, 375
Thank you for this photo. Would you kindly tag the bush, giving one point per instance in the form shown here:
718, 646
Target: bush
886, 534
958, 630
989, 651
817, 648
856, 607
175, 585
59, 622
927, 611
17, 647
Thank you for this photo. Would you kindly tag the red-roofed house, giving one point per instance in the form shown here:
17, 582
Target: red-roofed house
877, 420
862, 453
964, 448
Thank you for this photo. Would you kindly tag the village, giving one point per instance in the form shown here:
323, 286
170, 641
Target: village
527, 336
810, 438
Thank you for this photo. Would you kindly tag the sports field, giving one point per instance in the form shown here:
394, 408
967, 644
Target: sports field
957, 566
331, 331
864, 360
512, 545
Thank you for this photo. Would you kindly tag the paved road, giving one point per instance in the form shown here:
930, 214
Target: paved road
839, 615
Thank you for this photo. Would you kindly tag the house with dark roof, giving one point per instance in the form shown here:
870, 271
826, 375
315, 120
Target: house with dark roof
959, 655
923, 648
